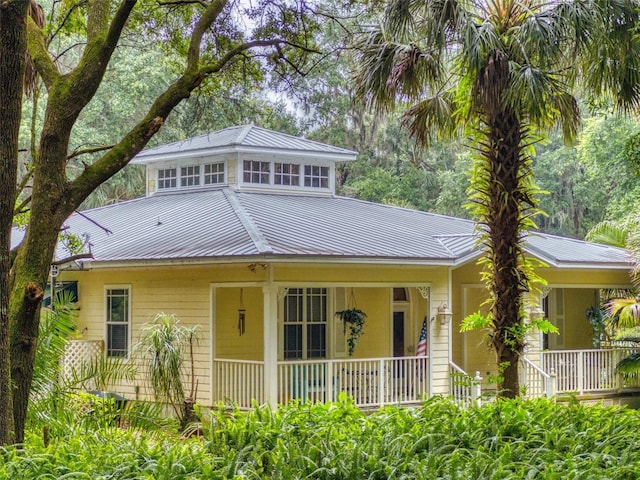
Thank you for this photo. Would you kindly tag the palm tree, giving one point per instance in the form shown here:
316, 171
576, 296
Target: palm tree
623, 311
501, 73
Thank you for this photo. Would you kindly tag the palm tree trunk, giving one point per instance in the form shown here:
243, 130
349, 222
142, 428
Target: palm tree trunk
503, 153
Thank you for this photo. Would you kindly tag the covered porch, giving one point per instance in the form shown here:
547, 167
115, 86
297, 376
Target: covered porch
279, 342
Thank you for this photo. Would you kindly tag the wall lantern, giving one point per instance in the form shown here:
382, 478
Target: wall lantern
444, 313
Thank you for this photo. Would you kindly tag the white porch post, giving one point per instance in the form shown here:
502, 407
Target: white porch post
270, 338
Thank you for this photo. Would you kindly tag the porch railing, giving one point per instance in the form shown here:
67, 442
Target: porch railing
460, 386
238, 381
587, 371
370, 382
536, 381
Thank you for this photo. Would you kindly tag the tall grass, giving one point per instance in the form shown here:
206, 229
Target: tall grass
504, 440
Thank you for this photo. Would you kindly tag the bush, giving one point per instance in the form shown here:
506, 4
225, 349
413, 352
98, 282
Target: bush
504, 440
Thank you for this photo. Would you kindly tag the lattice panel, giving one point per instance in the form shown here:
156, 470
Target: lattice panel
79, 351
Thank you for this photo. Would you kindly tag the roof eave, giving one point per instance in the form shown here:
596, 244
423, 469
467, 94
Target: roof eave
346, 156
319, 259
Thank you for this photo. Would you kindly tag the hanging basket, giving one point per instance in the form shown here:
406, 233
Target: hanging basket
354, 319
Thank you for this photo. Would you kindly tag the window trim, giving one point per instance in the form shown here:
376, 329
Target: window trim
320, 177
288, 175
129, 322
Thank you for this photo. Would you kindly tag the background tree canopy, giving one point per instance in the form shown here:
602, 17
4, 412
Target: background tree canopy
594, 179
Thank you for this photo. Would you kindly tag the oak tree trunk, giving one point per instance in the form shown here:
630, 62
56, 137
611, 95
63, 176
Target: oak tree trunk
13, 50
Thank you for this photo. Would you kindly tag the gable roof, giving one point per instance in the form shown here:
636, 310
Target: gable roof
244, 138
222, 225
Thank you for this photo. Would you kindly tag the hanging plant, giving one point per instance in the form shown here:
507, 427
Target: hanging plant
354, 319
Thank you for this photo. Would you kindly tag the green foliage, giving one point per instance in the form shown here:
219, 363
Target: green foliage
162, 348
58, 402
596, 316
475, 321
502, 440
352, 318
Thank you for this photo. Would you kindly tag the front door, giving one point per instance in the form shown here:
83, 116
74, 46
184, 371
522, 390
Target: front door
398, 334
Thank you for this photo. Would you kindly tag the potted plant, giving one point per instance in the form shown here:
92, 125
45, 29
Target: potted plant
354, 319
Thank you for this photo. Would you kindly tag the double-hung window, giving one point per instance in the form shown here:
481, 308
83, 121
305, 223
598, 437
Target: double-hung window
305, 323
118, 320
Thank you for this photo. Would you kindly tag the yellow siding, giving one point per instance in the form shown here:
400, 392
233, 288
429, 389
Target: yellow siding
596, 278
375, 340
181, 293
356, 273
578, 332
229, 342
187, 291
471, 350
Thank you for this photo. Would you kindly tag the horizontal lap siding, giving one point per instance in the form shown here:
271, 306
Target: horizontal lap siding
172, 291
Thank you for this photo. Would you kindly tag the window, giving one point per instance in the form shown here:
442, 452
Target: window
190, 176
214, 173
316, 176
256, 172
286, 174
166, 178
305, 323
117, 315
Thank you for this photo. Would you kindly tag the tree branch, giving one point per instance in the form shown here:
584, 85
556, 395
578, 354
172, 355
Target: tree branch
85, 79
208, 17
39, 54
77, 153
183, 2
276, 43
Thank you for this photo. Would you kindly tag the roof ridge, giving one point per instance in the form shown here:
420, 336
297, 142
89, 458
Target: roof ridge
258, 239
243, 134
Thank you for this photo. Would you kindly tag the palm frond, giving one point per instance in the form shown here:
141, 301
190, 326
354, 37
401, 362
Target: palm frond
434, 114
624, 312
390, 71
57, 325
609, 232
629, 365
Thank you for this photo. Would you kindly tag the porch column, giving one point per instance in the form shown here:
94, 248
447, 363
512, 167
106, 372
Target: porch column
270, 321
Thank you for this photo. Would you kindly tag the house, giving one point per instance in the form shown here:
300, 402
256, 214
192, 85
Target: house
241, 233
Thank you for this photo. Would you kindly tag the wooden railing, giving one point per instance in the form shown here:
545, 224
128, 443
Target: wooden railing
238, 381
461, 385
587, 371
536, 382
370, 382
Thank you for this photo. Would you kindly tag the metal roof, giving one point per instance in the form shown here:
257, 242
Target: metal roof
223, 224
243, 138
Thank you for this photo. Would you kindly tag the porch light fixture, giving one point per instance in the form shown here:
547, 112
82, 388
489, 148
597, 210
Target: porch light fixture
444, 313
